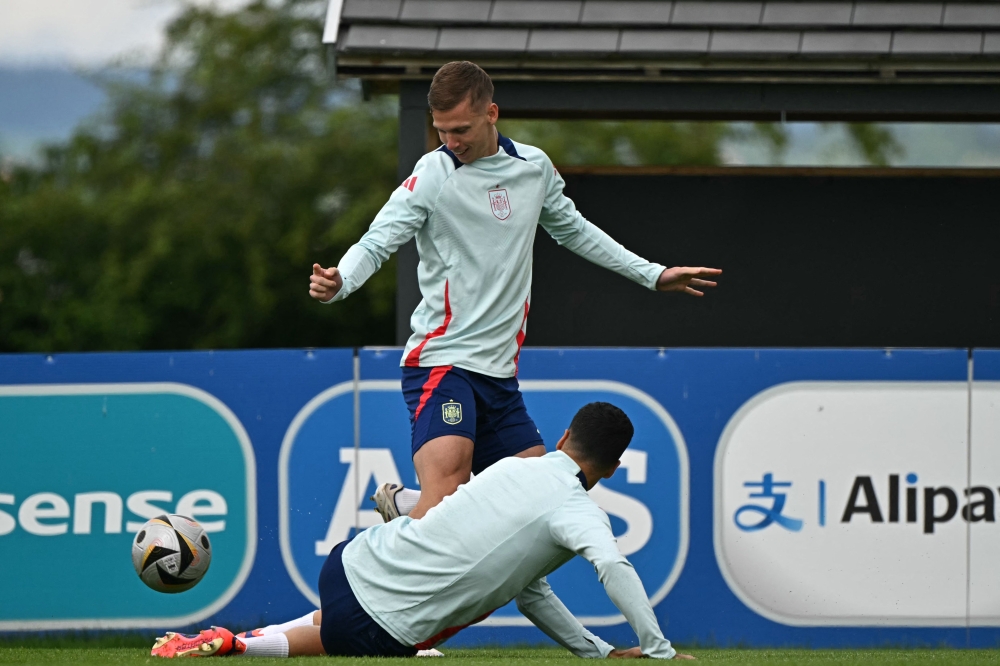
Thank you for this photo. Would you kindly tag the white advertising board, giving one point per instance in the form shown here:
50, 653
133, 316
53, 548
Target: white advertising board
984, 537
845, 503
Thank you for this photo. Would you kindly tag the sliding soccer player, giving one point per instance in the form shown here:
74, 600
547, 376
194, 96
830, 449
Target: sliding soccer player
411, 584
474, 205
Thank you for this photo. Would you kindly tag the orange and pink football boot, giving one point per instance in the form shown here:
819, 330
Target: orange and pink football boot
214, 642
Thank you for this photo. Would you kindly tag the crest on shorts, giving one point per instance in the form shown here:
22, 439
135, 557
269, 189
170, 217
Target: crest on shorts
500, 204
451, 412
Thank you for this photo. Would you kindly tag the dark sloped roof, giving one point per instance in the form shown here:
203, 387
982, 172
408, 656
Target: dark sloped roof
770, 40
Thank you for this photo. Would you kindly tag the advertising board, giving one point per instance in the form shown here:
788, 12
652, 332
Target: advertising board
92, 445
833, 498
85, 465
984, 479
769, 497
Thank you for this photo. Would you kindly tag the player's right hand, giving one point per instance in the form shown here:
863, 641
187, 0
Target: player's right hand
324, 283
631, 653
636, 653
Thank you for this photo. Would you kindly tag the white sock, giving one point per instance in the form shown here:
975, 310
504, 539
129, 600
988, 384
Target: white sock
275, 645
304, 621
405, 500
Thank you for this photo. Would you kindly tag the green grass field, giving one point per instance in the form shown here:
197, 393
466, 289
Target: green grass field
134, 650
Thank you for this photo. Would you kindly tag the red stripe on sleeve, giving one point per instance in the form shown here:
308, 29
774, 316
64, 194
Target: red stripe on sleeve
413, 183
520, 337
413, 358
433, 381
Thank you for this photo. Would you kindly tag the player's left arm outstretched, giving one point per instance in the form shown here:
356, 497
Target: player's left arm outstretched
581, 527
569, 228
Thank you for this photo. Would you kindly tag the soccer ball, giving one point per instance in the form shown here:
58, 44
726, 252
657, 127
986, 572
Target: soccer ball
171, 553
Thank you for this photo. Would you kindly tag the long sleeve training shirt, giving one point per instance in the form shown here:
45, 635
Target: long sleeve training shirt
475, 228
495, 539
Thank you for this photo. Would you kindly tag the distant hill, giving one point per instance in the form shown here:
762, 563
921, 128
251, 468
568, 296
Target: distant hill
40, 105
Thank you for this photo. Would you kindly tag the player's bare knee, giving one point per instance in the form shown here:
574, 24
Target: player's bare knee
532, 452
444, 458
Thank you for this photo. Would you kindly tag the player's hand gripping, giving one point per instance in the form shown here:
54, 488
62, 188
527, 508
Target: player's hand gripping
631, 653
687, 279
636, 653
324, 283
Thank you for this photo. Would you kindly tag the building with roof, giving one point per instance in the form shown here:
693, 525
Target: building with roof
772, 60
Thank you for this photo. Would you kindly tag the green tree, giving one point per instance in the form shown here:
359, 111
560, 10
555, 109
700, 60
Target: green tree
189, 214
634, 143
664, 143
876, 144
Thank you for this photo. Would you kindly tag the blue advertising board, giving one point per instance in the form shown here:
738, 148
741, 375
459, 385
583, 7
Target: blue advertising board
69, 449
91, 445
769, 497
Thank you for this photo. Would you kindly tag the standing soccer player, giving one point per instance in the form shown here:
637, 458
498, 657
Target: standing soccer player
474, 205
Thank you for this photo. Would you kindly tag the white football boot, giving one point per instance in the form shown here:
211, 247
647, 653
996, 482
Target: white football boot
385, 500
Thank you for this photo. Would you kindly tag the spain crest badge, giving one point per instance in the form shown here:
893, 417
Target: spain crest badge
451, 412
500, 204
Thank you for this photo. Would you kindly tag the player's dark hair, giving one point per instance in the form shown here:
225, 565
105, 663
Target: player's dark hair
600, 433
457, 80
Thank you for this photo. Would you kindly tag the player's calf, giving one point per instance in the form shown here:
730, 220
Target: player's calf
309, 619
442, 465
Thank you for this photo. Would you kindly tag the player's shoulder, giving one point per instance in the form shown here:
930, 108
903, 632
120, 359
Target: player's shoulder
437, 165
439, 160
583, 508
520, 468
531, 154
506, 465
428, 176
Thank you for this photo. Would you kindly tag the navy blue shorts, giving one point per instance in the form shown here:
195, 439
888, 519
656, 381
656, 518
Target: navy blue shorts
347, 630
451, 401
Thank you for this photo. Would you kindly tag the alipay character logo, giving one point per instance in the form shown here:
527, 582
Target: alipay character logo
765, 515
328, 469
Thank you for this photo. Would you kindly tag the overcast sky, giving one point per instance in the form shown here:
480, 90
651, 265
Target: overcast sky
84, 32
70, 34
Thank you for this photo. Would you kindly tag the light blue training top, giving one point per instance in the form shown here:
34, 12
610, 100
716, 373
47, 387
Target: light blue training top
493, 540
475, 229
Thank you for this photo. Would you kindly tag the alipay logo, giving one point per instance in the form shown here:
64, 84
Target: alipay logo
84, 466
816, 524
766, 515
328, 469
924, 508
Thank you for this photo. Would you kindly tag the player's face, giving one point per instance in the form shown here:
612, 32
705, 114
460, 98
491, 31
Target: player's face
468, 131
